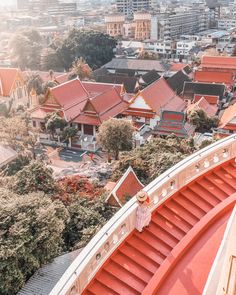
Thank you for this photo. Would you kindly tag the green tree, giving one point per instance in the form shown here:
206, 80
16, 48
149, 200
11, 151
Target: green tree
35, 82
202, 123
16, 165
31, 230
86, 218
5, 110
34, 177
80, 69
50, 60
53, 122
154, 158
116, 135
68, 133
25, 49
95, 47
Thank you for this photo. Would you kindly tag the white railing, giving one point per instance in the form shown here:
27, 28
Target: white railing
88, 262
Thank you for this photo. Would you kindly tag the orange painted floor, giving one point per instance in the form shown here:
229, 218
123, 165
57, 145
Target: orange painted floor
143, 259
192, 271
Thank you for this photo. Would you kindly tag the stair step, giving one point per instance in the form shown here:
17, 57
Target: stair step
214, 189
99, 288
115, 283
183, 212
168, 226
186, 203
231, 169
176, 219
224, 176
162, 234
139, 257
127, 277
155, 242
202, 197
133, 267
147, 250
220, 184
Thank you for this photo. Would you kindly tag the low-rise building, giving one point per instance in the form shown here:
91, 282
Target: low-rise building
85, 105
184, 47
147, 105
13, 87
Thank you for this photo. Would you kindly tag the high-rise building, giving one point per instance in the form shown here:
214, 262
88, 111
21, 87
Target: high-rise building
172, 26
128, 7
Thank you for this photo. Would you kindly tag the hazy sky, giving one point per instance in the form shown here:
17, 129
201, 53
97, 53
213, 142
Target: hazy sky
7, 2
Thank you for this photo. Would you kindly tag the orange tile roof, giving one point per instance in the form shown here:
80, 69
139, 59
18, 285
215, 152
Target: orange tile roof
159, 96
73, 98
228, 115
95, 87
127, 186
69, 93
7, 80
214, 77
219, 62
204, 105
211, 99
102, 107
175, 67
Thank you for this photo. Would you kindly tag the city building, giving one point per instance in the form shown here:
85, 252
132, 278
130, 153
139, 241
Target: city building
128, 7
142, 25
226, 23
171, 26
115, 25
184, 47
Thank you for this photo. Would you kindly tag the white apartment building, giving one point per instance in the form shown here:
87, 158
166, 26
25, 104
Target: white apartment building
128, 7
172, 26
163, 48
226, 23
184, 47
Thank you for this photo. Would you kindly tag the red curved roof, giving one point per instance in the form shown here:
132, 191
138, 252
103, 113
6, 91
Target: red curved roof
174, 255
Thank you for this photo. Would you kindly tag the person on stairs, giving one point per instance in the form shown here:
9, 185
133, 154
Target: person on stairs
143, 213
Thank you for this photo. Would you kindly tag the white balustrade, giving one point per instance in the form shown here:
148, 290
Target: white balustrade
89, 261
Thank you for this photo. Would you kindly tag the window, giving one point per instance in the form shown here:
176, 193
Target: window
42, 126
88, 129
147, 121
34, 124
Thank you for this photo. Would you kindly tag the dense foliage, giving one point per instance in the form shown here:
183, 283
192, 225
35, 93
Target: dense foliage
31, 228
200, 120
116, 135
34, 177
16, 165
80, 69
26, 49
87, 216
154, 158
95, 47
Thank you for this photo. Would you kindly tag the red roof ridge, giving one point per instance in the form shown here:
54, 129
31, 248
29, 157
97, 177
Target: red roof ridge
119, 183
70, 81
112, 106
101, 83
